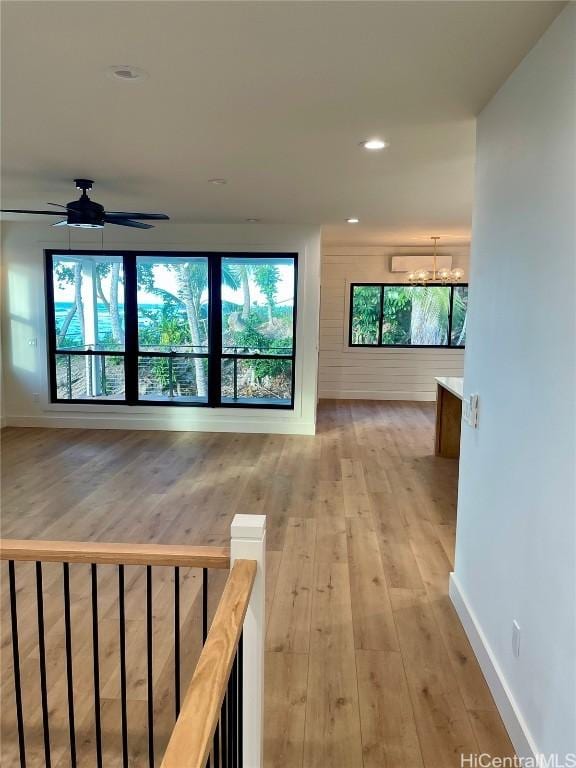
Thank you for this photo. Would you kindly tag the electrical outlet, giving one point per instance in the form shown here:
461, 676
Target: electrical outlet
515, 638
35, 397
33, 342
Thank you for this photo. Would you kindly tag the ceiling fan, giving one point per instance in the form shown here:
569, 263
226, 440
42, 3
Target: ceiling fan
90, 215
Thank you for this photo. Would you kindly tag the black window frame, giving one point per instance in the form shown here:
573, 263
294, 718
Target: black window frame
132, 353
380, 344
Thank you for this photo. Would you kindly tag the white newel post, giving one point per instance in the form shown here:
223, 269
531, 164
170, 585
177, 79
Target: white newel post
248, 542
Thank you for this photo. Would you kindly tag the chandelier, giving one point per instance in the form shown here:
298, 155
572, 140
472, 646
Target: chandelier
441, 276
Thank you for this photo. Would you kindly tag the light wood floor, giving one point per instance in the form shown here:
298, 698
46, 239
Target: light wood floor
366, 664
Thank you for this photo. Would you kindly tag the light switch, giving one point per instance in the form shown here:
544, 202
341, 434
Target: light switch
515, 638
470, 411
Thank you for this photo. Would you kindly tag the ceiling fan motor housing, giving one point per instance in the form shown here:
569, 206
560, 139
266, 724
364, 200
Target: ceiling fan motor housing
84, 212
83, 184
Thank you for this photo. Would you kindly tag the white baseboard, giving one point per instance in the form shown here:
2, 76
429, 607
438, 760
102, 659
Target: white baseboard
162, 423
514, 723
332, 394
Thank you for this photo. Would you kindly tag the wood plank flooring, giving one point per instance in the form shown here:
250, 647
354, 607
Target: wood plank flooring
367, 665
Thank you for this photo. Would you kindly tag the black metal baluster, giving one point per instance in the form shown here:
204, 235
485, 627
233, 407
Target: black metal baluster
122, 624
16, 657
177, 639
241, 701
42, 652
229, 721
96, 659
224, 731
204, 604
217, 746
237, 710
232, 715
69, 679
204, 635
149, 664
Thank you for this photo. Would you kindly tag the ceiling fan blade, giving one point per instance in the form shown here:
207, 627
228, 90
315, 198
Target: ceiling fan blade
128, 223
59, 205
43, 213
62, 223
128, 215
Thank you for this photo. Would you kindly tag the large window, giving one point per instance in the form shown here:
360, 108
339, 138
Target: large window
257, 329
173, 329
400, 315
87, 328
178, 329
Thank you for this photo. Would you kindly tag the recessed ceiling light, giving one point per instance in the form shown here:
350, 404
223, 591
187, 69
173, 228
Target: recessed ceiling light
126, 72
353, 220
374, 144
218, 182
253, 221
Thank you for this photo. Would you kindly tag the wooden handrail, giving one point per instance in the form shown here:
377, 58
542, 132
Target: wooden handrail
191, 740
115, 554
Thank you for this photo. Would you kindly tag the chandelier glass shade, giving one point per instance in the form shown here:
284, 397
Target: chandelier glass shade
440, 276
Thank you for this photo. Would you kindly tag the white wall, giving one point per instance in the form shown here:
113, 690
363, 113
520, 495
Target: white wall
23, 318
516, 534
374, 374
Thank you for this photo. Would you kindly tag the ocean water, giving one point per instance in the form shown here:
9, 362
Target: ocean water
73, 336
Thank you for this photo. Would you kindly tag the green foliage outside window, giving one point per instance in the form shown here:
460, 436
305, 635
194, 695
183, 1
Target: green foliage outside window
407, 315
397, 311
251, 339
255, 299
365, 314
459, 315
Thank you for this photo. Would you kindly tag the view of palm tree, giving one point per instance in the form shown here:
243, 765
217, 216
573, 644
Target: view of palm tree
407, 315
257, 319
173, 327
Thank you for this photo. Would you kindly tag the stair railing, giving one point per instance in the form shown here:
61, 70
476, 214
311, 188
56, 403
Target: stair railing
219, 721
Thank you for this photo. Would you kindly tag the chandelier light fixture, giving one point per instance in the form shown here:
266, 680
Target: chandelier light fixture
437, 276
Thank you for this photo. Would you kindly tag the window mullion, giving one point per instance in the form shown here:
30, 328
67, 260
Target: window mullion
214, 330
450, 313
381, 321
131, 328
51, 323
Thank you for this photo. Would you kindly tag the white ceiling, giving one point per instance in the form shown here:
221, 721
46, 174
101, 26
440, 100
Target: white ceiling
273, 96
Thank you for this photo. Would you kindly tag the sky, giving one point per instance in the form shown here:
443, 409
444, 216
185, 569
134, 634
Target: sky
166, 279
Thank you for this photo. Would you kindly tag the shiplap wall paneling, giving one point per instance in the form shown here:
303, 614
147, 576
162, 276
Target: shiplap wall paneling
374, 374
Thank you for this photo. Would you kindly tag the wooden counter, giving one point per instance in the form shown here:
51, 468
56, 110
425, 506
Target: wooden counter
448, 416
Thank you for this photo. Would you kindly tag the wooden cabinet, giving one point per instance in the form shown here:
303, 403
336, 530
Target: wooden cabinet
448, 417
